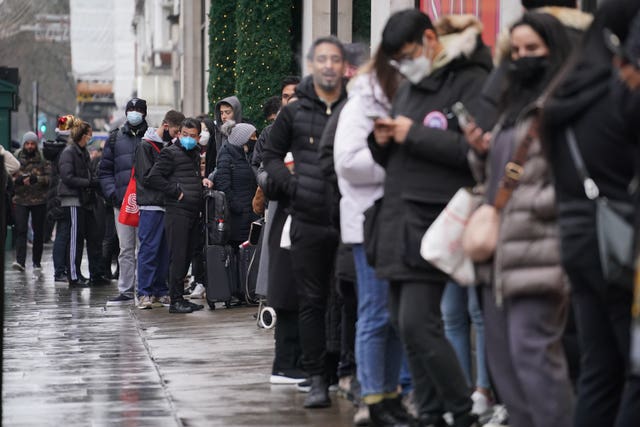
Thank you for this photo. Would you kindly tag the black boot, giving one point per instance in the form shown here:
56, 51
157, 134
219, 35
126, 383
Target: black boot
380, 415
397, 409
318, 396
466, 420
431, 421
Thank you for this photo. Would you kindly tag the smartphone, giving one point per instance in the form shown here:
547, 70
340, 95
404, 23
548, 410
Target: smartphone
464, 118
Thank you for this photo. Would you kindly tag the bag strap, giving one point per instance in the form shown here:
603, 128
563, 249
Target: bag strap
515, 168
590, 188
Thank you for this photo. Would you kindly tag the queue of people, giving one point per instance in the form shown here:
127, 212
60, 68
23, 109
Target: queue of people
349, 177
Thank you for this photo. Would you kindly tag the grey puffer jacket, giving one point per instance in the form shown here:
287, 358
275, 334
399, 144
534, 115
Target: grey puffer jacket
527, 258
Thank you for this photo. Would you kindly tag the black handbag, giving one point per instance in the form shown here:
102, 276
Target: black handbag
614, 228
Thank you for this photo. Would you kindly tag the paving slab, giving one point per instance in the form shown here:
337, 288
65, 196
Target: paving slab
70, 360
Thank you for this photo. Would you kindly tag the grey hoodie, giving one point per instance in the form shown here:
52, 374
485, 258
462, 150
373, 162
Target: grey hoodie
220, 137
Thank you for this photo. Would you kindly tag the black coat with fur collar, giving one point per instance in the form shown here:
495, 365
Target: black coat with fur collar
426, 171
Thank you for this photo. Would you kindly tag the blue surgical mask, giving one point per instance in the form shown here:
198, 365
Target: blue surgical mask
188, 142
134, 118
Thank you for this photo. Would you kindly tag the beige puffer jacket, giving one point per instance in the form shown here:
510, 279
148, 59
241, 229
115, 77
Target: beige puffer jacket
527, 258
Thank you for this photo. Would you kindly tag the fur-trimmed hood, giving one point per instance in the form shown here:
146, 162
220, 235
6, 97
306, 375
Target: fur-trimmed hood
574, 20
459, 35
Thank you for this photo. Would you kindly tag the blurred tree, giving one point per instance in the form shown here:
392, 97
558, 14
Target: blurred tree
263, 53
222, 50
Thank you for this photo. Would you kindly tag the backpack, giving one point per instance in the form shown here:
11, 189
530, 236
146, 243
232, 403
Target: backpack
217, 217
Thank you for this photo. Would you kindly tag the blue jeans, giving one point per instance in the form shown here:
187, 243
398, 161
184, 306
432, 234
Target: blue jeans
378, 348
153, 255
458, 305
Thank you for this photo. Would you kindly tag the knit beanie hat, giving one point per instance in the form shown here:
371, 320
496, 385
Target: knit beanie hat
137, 104
534, 4
29, 136
237, 133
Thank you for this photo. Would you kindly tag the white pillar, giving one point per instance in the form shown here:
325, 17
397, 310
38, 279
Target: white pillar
380, 12
316, 22
191, 59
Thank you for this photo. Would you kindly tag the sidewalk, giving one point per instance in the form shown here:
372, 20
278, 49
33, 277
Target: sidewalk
70, 360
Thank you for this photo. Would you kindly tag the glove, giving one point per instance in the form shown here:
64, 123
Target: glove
19, 180
33, 179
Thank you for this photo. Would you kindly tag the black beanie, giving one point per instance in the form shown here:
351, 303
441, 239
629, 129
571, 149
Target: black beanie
534, 4
137, 103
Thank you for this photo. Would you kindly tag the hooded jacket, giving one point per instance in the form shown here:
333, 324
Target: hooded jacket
298, 129
219, 136
360, 178
424, 172
147, 155
118, 157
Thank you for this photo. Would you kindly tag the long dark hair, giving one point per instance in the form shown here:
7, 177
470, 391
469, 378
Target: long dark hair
388, 77
519, 94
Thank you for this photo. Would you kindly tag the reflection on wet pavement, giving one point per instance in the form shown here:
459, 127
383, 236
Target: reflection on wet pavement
70, 360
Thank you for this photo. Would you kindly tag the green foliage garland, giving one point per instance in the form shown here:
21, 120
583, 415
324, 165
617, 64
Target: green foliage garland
263, 53
222, 51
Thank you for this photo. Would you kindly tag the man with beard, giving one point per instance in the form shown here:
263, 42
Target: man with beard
31, 185
314, 237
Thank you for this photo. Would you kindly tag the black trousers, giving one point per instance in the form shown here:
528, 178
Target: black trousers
439, 383
313, 249
607, 394
287, 339
182, 235
38, 214
82, 226
198, 264
347, 365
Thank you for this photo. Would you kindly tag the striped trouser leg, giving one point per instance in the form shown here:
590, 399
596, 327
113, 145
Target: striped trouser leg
73, 243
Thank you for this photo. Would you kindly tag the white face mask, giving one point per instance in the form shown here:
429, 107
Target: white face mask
204, 137
416, 69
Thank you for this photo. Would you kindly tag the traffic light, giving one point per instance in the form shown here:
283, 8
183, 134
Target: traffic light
42, 123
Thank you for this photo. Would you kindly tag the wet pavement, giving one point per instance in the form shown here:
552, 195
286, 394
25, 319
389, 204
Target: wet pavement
70, 360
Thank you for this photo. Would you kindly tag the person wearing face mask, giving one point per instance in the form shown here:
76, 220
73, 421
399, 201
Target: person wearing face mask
525, 301
153, 252
235, 178
176, 174
114, 173
31, 186
588, 101
423, 151
77, 191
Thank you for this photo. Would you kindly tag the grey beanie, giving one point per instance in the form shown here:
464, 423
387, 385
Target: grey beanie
237, 133
30, 136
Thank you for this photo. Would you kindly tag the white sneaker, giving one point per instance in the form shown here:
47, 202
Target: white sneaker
198, 292
144, 302
163, 301
481, 403
499, 418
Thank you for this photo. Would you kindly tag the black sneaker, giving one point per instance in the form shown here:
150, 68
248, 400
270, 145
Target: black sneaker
81, 282
287, 377
17, 266
61, 278
304, 386
180, 306
194, 306
120, 299
99, 281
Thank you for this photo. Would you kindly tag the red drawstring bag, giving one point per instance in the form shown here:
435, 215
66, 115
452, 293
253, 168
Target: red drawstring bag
129, 211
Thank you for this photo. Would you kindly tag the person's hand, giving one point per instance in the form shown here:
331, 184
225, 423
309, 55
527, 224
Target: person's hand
181, 196
383, 130
401, 129
630, 75
477, 138
207, 183
25, 180
33, 179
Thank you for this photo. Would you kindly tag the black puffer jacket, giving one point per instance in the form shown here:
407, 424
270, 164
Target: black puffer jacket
235, 178
51, 151
298, 129
426, 170
75, 171
178, 171
147, 155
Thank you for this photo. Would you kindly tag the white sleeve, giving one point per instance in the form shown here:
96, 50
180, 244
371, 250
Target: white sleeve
11, 164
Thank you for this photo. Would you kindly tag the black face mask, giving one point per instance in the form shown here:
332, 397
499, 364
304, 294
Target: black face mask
529, 69
166, 136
